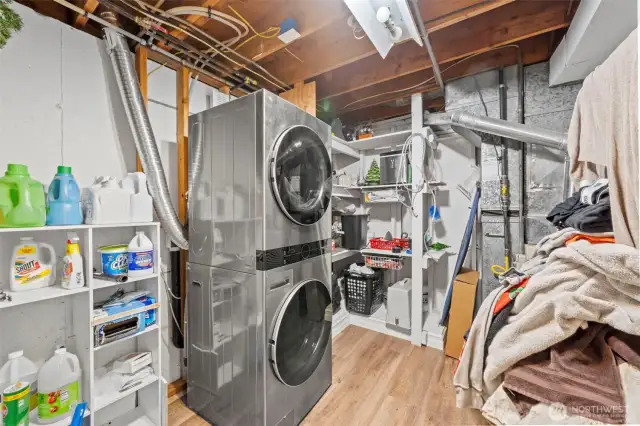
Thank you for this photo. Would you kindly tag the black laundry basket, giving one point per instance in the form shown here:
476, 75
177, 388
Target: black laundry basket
363, 293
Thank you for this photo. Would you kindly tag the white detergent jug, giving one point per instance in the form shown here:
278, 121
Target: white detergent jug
106, 202
30, 268
140, 256
58, 387
19, 368
141, 204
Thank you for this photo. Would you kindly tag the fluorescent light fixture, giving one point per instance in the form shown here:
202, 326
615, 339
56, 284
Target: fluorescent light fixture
385, 22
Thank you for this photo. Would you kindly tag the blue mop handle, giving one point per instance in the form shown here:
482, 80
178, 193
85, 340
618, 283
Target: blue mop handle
78, 414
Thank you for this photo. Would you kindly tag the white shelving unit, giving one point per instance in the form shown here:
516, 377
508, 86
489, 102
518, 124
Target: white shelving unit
339, 146
388, 141
38, 321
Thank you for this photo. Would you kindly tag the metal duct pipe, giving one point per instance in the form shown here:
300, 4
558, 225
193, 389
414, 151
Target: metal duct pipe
520, 132
134, 106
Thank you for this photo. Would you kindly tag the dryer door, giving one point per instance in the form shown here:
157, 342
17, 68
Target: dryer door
301, 332
301, 175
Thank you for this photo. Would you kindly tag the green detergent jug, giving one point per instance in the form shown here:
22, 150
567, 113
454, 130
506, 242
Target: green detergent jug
22, 201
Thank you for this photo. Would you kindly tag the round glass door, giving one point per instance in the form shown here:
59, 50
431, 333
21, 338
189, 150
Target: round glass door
301, 175
302, 332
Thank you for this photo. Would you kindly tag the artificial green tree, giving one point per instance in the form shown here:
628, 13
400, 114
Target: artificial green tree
10, 22
373, 176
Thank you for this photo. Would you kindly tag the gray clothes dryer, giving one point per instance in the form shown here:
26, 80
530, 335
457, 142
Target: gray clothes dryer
259, 272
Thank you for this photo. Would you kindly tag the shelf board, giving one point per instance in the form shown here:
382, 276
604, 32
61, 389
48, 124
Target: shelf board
32, 296
102, 401
133, 418
378, 322
76, 227
434, 255
390, 140
99, 283
342, 253
339, 146
33, 419
345, 192
149, 329
102, 320
377, 252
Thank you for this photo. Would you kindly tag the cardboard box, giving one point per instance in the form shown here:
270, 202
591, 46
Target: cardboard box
463, 301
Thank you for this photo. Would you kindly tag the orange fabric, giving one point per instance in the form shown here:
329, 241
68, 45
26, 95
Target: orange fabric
509, 295
592, 239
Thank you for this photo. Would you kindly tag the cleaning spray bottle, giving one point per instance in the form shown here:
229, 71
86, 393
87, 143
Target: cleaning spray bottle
73, 270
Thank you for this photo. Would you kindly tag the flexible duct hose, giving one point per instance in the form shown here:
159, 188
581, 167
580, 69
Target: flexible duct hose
122, 62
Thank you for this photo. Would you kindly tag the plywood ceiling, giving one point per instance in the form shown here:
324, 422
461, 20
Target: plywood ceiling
353, 82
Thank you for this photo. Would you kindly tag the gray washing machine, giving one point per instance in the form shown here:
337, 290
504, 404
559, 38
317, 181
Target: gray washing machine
259, 273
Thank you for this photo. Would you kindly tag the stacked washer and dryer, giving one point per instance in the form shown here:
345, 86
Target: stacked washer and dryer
259, 272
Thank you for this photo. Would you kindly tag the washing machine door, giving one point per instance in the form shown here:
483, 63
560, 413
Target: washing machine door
301, 175
301, 332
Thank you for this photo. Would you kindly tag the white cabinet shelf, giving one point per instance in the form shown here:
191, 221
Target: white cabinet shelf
339, 146
66, 317
342, 253
103, 401
32, 296
393, 140
33, 419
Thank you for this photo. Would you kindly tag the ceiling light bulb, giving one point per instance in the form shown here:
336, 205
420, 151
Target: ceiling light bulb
383, 14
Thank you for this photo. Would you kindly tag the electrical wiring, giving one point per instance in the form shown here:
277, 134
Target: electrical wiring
281, 85
169, 296
429, 79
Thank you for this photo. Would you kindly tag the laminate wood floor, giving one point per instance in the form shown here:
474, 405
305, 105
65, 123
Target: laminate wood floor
378, 380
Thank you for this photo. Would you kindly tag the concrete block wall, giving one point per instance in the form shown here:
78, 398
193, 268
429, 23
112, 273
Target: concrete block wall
544, 168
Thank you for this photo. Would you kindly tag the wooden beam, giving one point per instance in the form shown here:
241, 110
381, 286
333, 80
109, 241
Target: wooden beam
141, 70
182, 137
89, 6
303, 96
533, 50
335, 46
382, 112
506, 25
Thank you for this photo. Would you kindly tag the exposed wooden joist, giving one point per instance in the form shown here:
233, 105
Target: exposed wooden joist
382, 112
182, 137
505, 25
89, 6
141, 69
334, 46
535, 49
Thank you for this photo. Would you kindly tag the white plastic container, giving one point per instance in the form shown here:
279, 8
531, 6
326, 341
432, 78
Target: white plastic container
73, 268
140, 259
59, 387
106, 202
141, 204
30, 268
19, 368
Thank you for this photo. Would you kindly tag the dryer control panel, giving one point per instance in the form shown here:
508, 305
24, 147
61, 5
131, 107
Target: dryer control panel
283, 256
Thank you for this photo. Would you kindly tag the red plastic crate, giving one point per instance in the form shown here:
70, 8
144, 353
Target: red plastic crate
382, 244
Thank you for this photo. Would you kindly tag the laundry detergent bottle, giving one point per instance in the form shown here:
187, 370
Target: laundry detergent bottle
63, 198
58, 387
22, 202
73, 273
18, 384
140, 252
32, 265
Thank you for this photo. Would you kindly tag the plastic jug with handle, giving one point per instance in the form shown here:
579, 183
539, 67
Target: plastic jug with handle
30, 268
18, 384
59, 387
64, 199
107, 202
22, 201
141, 202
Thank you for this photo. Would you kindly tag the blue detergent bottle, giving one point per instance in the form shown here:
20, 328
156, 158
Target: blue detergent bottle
63, 199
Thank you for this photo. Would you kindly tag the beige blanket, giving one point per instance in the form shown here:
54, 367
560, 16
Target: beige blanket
500, 410
580, 283
603, 136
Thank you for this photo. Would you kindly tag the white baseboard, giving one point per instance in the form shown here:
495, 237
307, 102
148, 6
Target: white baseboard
339, 322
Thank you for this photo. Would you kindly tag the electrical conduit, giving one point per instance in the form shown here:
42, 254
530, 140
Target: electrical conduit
134, 106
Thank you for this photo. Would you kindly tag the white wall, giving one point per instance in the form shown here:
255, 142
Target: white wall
59, 104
